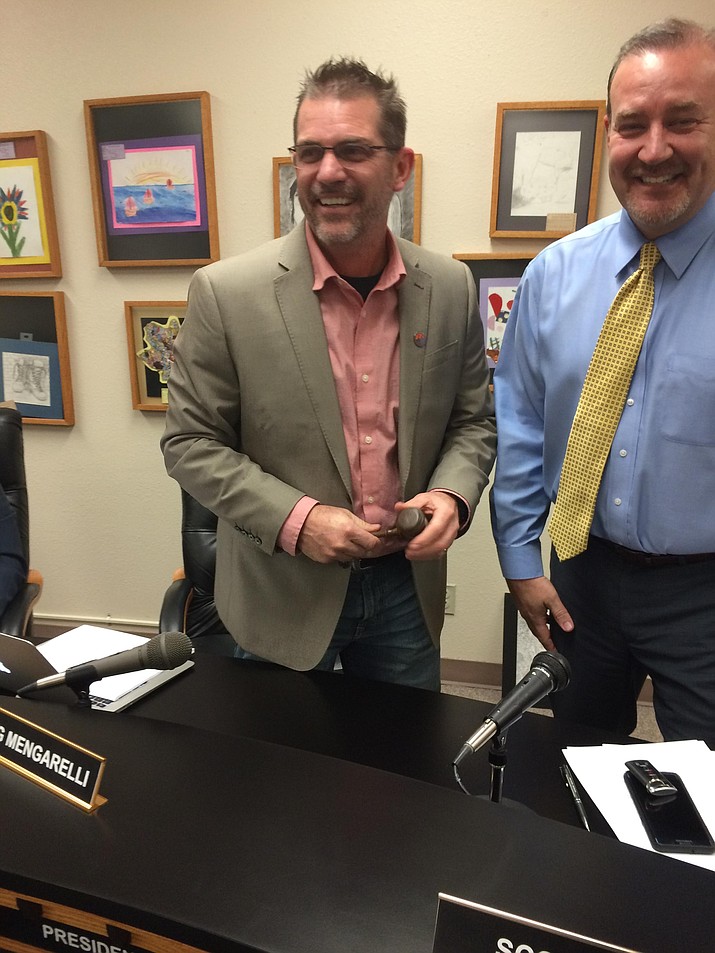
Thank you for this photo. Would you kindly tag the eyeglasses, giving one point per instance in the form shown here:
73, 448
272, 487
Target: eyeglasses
347, 153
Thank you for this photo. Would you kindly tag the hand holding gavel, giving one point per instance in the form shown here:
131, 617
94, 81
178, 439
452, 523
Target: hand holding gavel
409, 523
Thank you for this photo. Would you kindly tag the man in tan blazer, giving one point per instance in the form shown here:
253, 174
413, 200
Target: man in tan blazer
321, 383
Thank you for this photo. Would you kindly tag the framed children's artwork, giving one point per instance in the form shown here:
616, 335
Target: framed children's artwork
34, 356
547, 162
496, 277
404, 216
152, 174
28, 230
152, 327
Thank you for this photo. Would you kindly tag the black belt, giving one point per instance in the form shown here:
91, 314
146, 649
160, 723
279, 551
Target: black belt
360, 565
639, 558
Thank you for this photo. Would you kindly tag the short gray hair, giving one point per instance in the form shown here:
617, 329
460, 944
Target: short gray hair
350, 79
670, 34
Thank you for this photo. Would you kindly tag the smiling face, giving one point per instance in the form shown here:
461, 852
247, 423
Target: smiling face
346, 204
661, 136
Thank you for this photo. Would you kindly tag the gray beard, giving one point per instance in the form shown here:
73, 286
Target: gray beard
657, 218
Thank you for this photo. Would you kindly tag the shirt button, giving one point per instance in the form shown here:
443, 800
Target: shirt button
622, 453
630, 402
371, 499
618, 501
365, 378
368, 439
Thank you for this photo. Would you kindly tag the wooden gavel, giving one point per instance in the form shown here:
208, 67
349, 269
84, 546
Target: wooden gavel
409, 523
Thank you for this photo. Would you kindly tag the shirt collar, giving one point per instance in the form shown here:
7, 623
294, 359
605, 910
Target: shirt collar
678, 247
393, 272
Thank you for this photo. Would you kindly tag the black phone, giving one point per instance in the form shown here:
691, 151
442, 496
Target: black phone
672, 823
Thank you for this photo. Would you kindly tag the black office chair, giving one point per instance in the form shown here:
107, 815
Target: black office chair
188, 604
17, 618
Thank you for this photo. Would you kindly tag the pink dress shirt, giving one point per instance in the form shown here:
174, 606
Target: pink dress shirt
363, 342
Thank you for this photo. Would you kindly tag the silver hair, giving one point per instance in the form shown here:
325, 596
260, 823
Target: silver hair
347, 78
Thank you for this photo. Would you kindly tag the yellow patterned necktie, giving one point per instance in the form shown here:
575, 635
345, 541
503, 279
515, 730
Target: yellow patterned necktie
600, 407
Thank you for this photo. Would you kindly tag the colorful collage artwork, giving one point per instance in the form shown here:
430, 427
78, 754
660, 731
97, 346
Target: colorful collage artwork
496, 298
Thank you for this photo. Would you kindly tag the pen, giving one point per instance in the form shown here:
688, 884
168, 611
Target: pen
570, 782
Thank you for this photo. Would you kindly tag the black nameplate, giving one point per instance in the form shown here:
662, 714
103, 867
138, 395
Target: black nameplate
59, 766
57, 937
464, 927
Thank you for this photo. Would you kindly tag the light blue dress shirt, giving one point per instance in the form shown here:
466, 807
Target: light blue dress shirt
658, 489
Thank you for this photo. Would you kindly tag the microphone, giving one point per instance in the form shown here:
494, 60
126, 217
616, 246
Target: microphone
550, 672
164, 651
409, 523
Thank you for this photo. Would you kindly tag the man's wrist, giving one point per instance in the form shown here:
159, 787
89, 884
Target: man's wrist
463, 510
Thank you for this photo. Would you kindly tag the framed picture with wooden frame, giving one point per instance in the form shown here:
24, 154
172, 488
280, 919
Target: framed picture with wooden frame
547, 163
152, 174
152, 327
28, 229
496, 277
404, 217
34, 356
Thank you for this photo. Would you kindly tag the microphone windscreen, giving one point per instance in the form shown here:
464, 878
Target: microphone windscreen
556, 665
168, 650
410, 522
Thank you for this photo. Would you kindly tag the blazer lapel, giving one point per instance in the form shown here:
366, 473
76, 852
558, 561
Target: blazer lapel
304, 323
415, 294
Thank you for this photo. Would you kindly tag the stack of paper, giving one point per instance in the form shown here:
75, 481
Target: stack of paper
600, 771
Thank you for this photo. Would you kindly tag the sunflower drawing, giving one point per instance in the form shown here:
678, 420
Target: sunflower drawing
12, 215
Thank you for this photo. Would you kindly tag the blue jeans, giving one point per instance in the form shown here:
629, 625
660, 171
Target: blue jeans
381, 633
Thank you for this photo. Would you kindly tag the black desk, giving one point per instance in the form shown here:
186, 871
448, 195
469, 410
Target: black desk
224, 831
410, 732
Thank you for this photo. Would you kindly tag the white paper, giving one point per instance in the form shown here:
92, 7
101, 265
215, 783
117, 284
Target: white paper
600, 771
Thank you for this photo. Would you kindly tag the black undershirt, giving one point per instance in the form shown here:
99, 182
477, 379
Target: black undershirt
362, 284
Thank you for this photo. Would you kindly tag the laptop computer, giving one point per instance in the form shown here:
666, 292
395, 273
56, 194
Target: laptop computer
21, 663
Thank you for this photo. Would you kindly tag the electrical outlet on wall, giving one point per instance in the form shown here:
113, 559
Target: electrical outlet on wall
450, 600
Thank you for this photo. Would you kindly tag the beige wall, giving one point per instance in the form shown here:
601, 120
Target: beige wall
105, 518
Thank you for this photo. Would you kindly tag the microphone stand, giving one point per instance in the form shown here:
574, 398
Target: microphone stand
80, 686
83, 699
497, 763
79, 683
497, 760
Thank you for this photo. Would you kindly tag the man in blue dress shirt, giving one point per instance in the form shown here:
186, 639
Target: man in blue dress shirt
641, 598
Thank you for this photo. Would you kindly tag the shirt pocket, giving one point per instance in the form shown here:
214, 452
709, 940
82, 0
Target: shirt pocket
687, 401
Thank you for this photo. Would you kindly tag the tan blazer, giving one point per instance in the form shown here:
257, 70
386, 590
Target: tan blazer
253, 425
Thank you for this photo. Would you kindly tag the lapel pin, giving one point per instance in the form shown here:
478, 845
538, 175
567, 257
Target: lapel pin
420, 339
